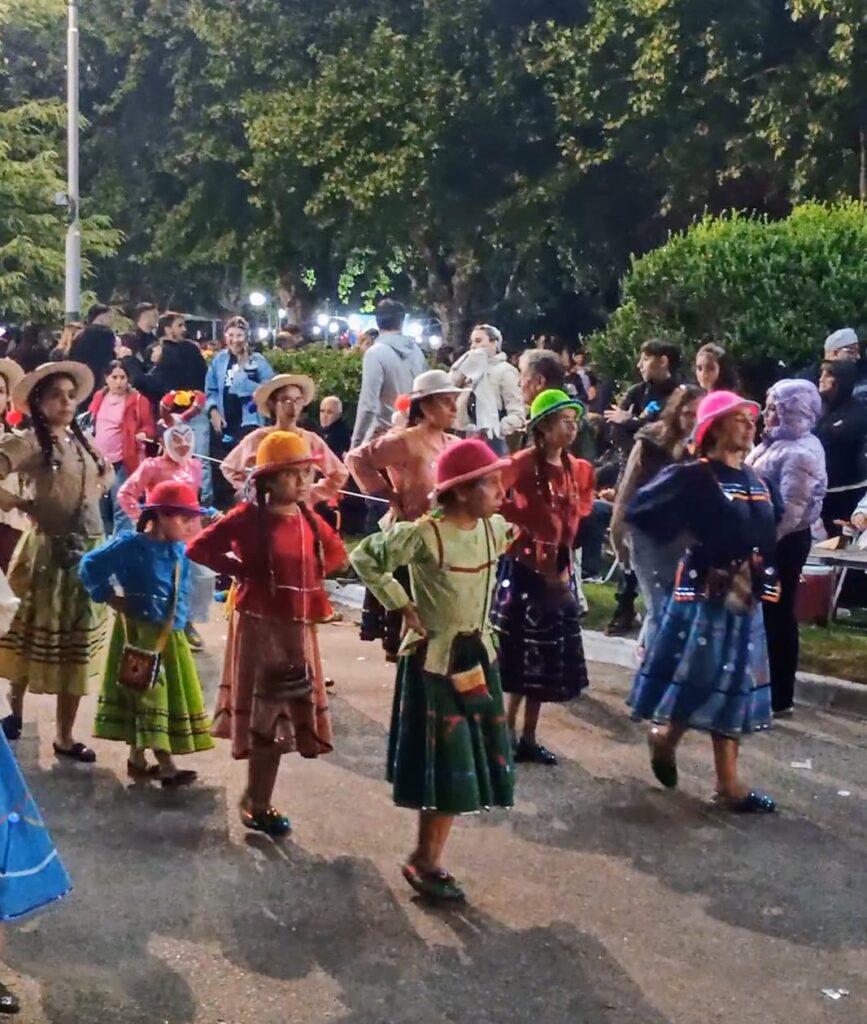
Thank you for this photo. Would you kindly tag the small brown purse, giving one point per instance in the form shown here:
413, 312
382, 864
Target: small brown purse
139, 668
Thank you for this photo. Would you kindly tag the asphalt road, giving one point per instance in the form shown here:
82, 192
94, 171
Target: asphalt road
599, 899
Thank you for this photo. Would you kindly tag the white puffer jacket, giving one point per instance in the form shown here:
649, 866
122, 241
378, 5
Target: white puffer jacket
496, 386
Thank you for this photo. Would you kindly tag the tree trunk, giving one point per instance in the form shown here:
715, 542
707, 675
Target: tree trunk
862, 175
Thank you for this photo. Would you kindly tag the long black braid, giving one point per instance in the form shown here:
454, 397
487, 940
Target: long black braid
43, 431
262, 496
145, 519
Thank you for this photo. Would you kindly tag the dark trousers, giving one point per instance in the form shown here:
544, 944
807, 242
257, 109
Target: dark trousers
591, 537
781, 626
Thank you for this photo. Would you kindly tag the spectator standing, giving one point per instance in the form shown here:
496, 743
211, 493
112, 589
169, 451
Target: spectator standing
122, 422
232, 379
493, 407
792, 461
95, 346
29, 349
715, 369
142, 338
540, 370
333, 428
390, 366
67, 336
842, 430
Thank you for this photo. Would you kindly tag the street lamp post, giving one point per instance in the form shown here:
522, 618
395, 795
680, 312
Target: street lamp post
72, 298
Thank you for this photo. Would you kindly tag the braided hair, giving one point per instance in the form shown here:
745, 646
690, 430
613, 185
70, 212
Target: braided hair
546, 490
262, 498
146, 519
42, 430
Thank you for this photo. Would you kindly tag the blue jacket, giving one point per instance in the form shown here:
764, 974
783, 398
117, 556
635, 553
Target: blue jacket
248, 377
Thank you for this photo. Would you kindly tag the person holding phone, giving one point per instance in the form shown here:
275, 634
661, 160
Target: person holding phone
232, 379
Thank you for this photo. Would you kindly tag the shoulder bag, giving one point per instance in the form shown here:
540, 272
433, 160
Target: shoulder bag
139, 668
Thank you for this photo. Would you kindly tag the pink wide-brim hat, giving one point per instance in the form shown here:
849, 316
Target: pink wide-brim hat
716, 405
465, 461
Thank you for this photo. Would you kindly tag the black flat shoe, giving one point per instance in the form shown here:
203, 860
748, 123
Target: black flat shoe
753, 803
12, 725
183, 777
9, 1002
664, 768
77, 752
534, 753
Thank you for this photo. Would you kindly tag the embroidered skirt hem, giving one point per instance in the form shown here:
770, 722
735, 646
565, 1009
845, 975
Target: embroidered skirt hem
708, 669
448, 753
538, 627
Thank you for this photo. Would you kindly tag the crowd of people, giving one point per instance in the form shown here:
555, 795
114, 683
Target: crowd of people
493, 485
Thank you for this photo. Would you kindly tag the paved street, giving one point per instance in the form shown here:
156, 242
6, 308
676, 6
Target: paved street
599, 899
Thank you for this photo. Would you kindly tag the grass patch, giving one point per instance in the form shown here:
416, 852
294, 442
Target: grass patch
838, 650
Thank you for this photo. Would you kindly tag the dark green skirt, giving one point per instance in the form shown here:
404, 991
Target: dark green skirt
169, 717
446, 753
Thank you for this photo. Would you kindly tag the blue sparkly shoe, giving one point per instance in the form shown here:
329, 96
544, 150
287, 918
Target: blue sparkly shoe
753, 803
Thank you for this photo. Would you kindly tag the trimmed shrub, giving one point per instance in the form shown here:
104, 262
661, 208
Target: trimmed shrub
333, 371
767, 291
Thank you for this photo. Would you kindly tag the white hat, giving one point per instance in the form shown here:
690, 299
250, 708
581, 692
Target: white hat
434, 382
844, 338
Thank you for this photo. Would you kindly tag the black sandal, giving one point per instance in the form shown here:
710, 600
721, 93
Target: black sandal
664, 768
137, 771
77, 752
9, 1002
182, 777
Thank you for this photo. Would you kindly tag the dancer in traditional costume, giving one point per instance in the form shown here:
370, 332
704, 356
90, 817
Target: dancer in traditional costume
400, 467
56, 640
448, 751
282, 399
536, 614
707, 667
272, 698
167, 713
178, 463
32, 874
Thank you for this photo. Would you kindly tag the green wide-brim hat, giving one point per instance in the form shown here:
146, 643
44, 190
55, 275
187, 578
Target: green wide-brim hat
551, 401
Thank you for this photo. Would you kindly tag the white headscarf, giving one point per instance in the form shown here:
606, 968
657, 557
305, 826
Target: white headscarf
179, 434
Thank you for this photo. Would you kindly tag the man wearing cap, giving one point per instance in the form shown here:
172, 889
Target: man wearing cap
389, 368
282, 400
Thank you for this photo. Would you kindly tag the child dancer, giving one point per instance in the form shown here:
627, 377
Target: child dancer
272, 698
57, 636
399, 466
153, 572
536, 613
448, 750
178, 464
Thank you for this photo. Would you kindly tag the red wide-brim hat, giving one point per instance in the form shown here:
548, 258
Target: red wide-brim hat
466, 461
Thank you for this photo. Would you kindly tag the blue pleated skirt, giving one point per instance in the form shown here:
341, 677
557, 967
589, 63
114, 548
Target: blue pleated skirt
708, 669
31, 872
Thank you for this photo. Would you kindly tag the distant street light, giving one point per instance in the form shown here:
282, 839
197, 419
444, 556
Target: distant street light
333, 327
322, 320
282, 313
258, 299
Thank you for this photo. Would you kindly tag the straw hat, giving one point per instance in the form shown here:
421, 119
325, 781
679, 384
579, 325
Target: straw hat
281, 450
546, 403
265, 391
465, 461
79, 373
716, 405
170, 496
11, 373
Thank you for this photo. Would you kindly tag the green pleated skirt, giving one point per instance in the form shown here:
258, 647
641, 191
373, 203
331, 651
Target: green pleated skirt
170, 716
446, 753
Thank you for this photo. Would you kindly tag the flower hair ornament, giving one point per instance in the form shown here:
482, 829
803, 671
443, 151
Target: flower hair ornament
181, 406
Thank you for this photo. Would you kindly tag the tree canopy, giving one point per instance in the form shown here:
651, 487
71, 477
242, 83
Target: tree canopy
495, 159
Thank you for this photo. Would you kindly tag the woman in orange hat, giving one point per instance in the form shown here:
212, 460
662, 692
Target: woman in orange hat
167, 713
272, 698
449, 751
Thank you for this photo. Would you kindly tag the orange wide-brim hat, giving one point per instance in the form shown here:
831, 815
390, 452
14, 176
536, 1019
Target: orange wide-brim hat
281, 450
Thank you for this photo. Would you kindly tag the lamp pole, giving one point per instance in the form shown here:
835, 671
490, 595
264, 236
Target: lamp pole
72, 298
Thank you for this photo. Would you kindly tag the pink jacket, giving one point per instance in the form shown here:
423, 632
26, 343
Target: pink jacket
242, 458
152, 472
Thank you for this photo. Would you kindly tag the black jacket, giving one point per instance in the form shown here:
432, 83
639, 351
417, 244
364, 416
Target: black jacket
94, 347
182, 367
842, 427
338, 437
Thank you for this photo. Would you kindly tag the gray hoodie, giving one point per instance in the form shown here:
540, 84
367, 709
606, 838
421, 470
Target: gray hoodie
390, 366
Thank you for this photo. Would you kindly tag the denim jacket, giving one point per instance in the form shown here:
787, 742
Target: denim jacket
255, 371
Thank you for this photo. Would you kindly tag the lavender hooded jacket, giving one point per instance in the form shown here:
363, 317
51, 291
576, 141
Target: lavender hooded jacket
790, 458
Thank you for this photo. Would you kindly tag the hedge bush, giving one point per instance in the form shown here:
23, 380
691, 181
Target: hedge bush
334, 372
764, 290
